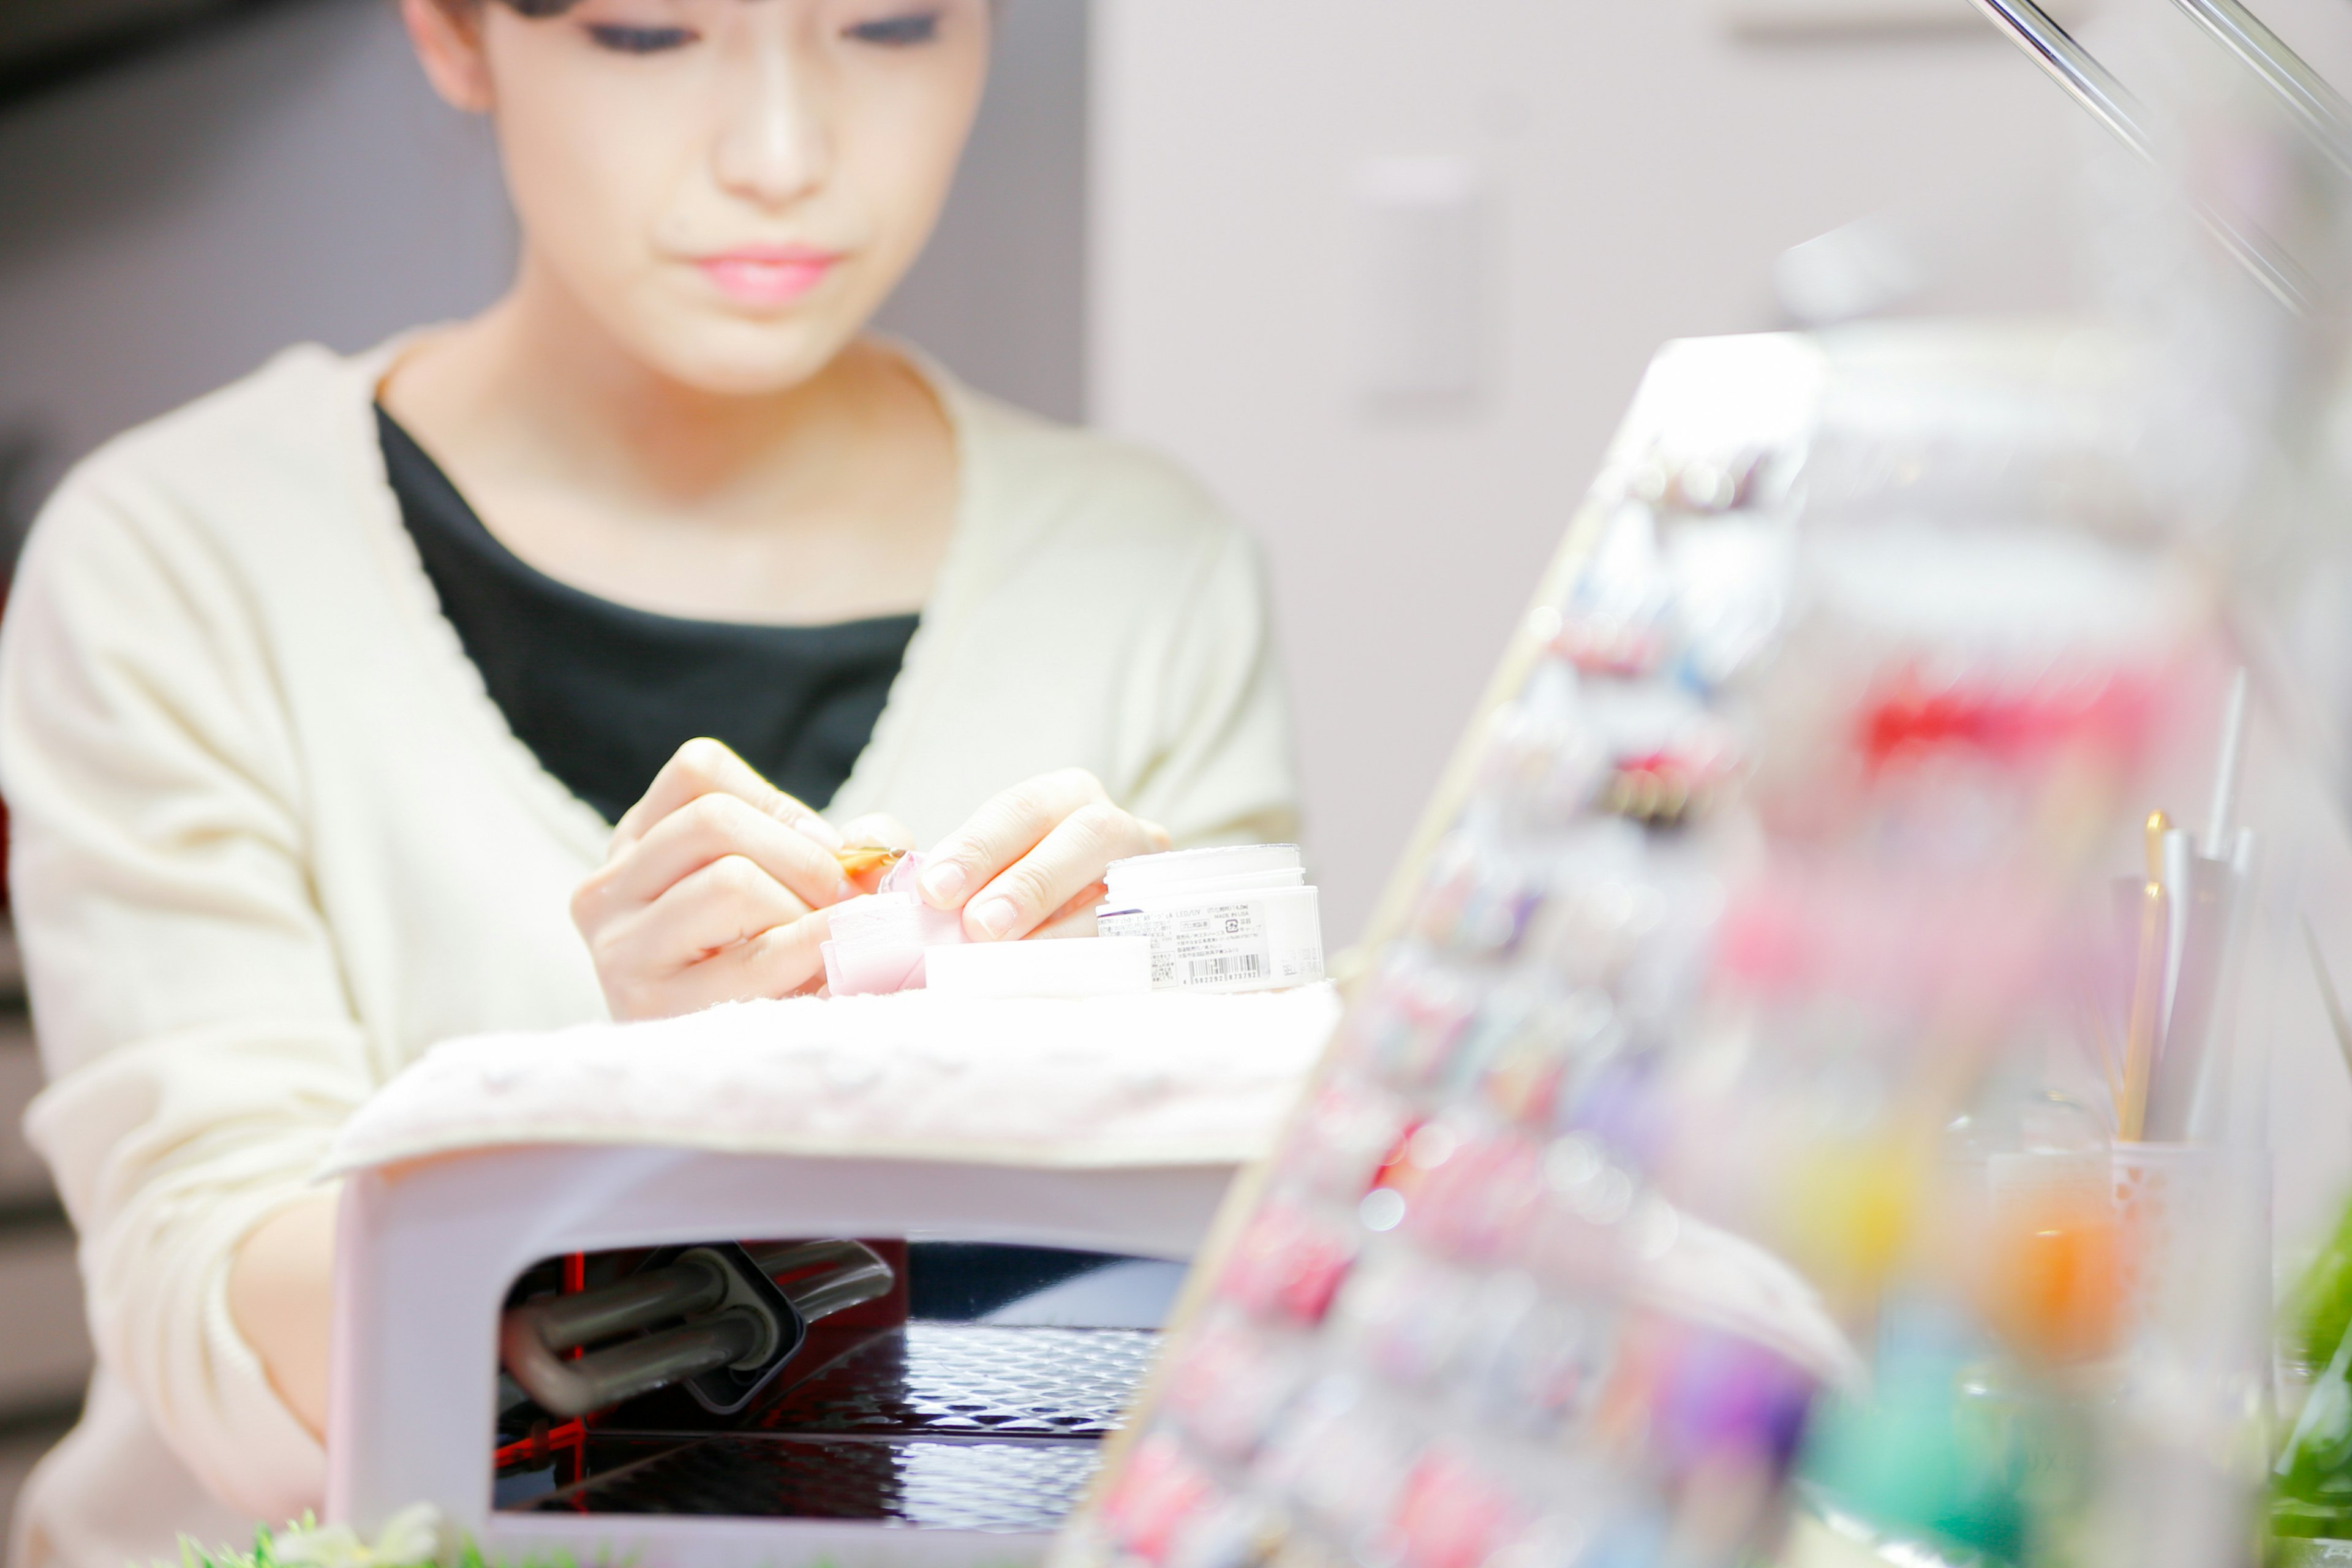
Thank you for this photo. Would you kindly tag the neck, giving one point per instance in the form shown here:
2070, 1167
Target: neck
565, 390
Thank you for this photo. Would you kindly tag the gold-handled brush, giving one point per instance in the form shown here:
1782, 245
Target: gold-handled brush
859, 860
2147, 987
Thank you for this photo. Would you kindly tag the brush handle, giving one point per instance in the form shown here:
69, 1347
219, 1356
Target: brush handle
2147, 1010
2204, 915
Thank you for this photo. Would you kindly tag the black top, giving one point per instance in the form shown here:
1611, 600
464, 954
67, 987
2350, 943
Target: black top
604, 694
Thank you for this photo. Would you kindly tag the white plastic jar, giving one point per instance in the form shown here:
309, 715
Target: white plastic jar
1241, 919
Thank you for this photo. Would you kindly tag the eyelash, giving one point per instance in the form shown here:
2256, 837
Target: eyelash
896, 31
638, 40
892, 32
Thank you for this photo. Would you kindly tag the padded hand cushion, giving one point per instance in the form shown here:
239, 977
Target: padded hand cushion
1169, 1078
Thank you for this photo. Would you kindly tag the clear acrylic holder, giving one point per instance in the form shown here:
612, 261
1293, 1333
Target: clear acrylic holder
2189, 1425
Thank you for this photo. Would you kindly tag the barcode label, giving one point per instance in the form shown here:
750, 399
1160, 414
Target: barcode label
1215, 946
1231, 966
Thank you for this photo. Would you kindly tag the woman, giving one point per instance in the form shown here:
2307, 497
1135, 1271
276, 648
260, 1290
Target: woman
356, 707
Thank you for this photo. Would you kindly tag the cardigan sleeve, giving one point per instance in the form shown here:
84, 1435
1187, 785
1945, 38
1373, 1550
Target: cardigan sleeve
1221, 773
200, 1047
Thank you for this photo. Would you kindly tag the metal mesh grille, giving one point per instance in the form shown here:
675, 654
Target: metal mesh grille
937, 1426
940, 1378
1011, 1487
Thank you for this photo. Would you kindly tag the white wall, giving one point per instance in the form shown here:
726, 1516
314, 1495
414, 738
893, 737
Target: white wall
1648, 170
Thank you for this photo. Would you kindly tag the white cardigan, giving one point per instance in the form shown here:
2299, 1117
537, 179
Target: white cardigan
273, 840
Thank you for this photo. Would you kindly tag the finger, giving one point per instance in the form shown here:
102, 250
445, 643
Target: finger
1075, 919
783, 962
703, 767
727, 902
1068, 860
700, 833
1001, 832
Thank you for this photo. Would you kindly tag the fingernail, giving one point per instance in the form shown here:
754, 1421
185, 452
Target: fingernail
818, 829
944, 882
994, 918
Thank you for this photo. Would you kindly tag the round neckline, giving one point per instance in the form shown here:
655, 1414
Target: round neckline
502, 557
383, 363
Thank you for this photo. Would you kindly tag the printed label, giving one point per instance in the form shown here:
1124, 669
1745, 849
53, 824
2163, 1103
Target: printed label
1214, 944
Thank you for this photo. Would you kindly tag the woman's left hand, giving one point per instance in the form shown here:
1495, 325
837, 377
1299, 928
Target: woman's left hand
1030, 863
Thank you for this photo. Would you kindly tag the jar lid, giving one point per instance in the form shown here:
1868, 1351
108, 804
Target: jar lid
1183, 868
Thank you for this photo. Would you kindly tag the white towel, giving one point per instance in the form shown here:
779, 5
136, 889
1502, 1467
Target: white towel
1169, 1078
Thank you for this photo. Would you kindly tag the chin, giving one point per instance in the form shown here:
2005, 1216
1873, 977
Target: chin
741, 357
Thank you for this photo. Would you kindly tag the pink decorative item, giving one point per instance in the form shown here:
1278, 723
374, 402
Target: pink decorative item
879, 940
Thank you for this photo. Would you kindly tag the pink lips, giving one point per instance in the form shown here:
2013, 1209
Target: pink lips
767, 275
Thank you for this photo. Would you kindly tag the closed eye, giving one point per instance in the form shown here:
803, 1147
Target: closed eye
626, 40
896, 31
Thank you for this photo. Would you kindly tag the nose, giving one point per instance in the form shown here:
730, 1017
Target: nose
774, 145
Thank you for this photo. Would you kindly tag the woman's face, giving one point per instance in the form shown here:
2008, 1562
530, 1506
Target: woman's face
730, 188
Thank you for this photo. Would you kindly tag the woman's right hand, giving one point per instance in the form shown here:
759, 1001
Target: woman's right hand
714, 890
